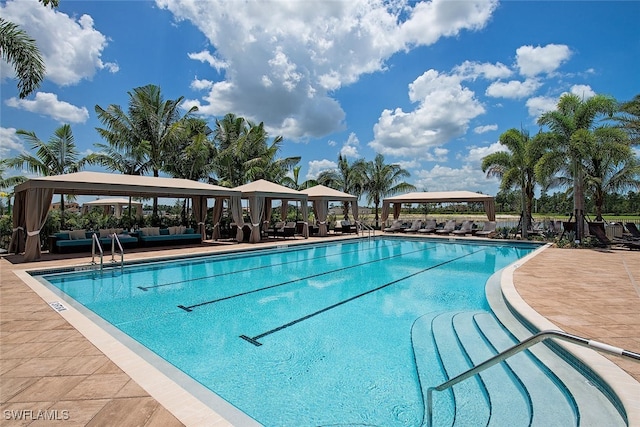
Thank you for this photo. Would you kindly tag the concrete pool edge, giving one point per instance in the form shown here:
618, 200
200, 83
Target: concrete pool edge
180, 400
623, 385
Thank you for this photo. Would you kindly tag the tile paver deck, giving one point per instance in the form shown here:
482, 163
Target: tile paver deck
47, 365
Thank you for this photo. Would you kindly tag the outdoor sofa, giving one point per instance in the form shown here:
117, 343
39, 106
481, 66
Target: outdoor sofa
155, 236
69, 241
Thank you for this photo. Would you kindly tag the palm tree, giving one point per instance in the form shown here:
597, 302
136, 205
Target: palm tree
630, 119
292, 182
610, 165
516, 168
151, 121
572, 119
57, 156
21, 52
348, 178
382, 180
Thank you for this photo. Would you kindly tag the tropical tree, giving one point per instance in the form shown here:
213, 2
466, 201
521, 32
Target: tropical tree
570, 125
630, 119
348, 178
610, 165
8, 182
382, 180
292, 181
21, 52
516, 168
151, 122
244, 153
57, 156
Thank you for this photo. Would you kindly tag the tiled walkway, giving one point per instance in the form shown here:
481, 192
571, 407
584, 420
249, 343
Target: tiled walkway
47, 368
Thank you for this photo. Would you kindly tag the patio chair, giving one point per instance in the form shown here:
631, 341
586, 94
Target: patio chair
488, 229
597, 230
277, 228
633, 229
417, 224
449, 226
289, 230
429, 227
465, 228
395, 226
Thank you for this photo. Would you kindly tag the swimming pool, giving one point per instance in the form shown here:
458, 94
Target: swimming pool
312, 335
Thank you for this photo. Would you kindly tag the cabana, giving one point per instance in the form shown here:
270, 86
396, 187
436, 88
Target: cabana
33, 198
260, 194
438, 197
320, 196
116, 204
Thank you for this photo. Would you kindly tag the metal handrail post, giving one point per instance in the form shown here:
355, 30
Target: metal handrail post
96, 242
523, 345
114, 240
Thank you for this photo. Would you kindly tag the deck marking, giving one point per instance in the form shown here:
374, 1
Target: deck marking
189, 308
254, 340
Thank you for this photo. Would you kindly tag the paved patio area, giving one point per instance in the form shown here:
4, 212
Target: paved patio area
48, 368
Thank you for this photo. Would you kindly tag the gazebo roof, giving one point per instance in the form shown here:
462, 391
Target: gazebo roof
438, 197
321, 192
263, 188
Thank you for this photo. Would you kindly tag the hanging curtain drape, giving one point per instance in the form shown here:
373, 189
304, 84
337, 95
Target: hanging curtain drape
16, 244
320, 209
200, 213
490, 208
39, 201
256, 212
235, 203
217, 215
305, 215
117, 210
355, 209
396, 210
284, 207
267, 212
385, 212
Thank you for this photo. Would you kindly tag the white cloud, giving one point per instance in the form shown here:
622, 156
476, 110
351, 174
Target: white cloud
48, 104
409, 164
443, 113
9, 141
206, 57
532, 61
318, 166
332, 143
444, 178
541, 104
473, 70
583, 91
485, 128
71, 47
476, 154
198, 84
513, 89
350, 147
282, 60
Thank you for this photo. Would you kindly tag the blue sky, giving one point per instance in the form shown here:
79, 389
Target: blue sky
431, 85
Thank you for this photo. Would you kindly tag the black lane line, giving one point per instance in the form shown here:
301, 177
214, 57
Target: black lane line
146, 288
288, 282
254, 340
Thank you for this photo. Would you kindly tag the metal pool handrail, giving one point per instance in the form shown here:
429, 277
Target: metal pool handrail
96, 242
114, 240
364, 226
540, 336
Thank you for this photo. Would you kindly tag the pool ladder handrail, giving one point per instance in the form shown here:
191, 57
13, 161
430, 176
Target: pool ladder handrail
364, 226
523, 345
95, 241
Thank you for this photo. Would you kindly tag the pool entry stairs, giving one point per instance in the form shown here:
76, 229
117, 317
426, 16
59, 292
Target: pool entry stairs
517, 392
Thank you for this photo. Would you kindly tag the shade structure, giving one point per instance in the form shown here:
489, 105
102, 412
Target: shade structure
320, 196
438, 197
117, 203
36, 193
257, 192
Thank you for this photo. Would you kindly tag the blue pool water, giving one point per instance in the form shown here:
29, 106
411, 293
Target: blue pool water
311, 335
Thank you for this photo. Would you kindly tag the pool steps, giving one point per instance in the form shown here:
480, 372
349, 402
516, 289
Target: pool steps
517, 392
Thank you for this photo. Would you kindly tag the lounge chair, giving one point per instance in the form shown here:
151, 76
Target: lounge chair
429, 227
395, 226
346, 227
449, 226
633, 229
288, 230
597, 230
488, 229
277, 228
465, 228
417, 224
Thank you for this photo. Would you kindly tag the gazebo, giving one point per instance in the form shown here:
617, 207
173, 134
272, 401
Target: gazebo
33, 199
260, 193
320, 196
117, 205
438, 197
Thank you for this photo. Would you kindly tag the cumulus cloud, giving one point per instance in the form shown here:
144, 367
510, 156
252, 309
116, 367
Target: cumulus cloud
583, 91
513, 89
48, 104
318, 166
541, 104
444, 111
71, 47
203, 84
283, 60
485, 128
473, 70
476, 154
9, 141
444, 178
350, 147
532, 61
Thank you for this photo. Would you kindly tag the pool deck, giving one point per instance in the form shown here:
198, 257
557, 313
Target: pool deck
49, 369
